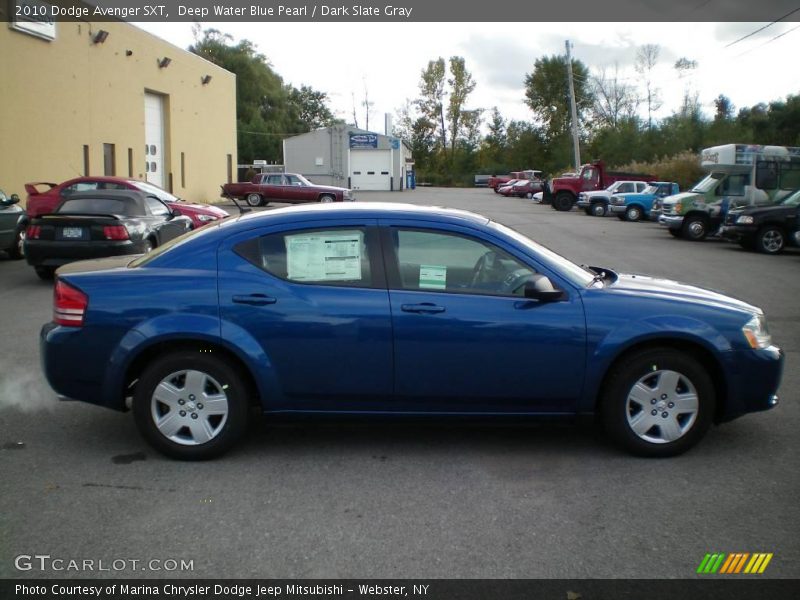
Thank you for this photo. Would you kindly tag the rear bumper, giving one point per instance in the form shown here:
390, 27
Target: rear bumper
670, 221
41, 253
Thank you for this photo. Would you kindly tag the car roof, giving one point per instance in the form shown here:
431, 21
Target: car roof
375, 210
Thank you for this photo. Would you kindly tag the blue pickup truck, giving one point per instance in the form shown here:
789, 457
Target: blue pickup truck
634, 207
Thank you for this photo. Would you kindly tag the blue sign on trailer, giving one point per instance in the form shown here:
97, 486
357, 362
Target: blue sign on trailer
363, 140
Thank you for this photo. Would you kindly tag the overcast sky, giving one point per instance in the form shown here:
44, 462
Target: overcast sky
387, 58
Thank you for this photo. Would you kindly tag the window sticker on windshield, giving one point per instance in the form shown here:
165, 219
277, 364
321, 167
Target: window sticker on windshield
334, 256
432, 277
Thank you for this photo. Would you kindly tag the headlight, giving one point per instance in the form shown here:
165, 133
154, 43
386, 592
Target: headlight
744, 220
206, 218
677, 207
756, 332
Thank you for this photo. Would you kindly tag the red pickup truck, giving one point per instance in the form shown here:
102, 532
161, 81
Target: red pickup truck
495, 181
284, 187
562, 192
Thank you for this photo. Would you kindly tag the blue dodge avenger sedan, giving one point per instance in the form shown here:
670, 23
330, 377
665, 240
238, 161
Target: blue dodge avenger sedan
396, 310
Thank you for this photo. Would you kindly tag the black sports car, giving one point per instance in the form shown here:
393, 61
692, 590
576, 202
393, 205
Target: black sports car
97, 224
768, 229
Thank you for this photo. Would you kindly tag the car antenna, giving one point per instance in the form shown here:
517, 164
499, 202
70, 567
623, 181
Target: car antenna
242, 209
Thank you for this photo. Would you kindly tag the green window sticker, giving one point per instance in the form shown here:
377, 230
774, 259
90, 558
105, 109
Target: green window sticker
432, 277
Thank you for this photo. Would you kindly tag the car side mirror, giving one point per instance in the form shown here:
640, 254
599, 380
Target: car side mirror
543, 290
13, 199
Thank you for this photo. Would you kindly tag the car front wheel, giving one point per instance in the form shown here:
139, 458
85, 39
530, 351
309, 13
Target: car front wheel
770, 240
694, 229
191, 405
659, 403
599, 209
633, 214
326, 198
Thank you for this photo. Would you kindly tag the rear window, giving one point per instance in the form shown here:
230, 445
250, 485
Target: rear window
101, 206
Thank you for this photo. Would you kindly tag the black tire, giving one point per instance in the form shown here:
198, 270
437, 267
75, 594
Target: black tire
633, 214
220, 377
694, 228
630, 380
254, 199
598, 209
45, 273
676, 233
327, 198
563, 201
770, 239
17, 251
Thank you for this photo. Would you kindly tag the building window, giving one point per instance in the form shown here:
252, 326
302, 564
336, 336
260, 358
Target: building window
130, 162
230, 168
183, 170
86, 160
109, 160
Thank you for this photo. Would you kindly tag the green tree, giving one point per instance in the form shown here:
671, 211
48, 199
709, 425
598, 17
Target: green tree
267, 110
432, 95
461, 122
547, 93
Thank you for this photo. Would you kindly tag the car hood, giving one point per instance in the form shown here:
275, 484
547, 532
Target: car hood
203, 209
628, 283
681, 196
762, 209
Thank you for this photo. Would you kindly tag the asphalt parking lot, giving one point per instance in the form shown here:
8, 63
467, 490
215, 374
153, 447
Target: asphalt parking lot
319, 500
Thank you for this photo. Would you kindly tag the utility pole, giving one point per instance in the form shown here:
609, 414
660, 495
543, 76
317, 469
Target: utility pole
575, 139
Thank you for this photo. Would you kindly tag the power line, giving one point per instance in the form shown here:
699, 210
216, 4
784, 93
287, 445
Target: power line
770, 40
762, 28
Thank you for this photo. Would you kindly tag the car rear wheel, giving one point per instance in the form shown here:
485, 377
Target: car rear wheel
598, 209
191, 405
254, 199
17, 251
770, 240
633, 214
658, 403
694, 228
326, 198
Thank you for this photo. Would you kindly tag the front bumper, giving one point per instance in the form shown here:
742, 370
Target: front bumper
617, 208
753, 378
736, 233
670, 221
583, 203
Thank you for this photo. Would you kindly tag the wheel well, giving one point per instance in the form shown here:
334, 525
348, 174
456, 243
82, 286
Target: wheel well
698, 213
701, 354
328, 194
138, 365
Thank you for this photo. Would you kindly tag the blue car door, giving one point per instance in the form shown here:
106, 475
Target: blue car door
465, 338
313, 299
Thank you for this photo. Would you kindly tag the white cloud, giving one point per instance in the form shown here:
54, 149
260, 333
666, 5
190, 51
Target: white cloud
341, 59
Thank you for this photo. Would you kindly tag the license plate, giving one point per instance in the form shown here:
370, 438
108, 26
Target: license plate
72, 232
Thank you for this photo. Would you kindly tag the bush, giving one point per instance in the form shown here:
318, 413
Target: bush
683, 168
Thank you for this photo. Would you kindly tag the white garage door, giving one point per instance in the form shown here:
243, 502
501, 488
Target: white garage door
154, 139
370, 169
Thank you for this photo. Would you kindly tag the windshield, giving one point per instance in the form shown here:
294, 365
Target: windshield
568, 269
709, 183
296, 179
156, 191
791, 199
651, 189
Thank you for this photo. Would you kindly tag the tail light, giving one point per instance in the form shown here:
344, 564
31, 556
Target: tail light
33, 232
115, 232
69, 305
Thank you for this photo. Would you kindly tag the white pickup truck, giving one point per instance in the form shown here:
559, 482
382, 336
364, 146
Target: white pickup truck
596, 202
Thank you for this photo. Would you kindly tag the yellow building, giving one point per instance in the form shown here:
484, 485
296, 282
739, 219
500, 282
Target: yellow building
83, 98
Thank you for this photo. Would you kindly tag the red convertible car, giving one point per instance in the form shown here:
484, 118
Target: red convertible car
291, 188
46, 200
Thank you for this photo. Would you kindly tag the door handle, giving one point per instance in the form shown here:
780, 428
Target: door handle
254, 299
425, 307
